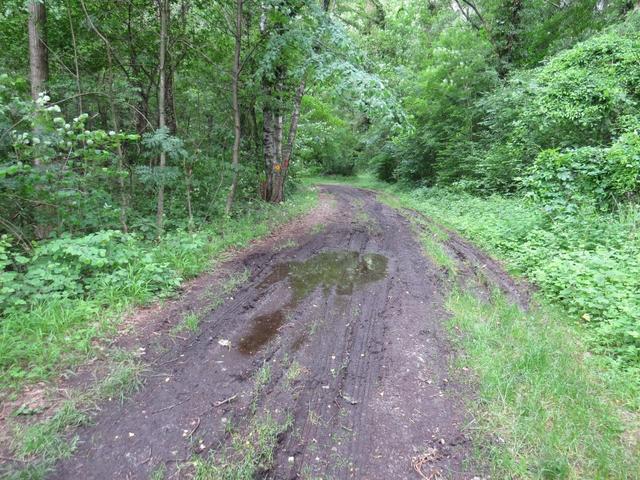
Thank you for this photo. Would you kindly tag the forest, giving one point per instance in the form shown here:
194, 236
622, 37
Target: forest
143, 142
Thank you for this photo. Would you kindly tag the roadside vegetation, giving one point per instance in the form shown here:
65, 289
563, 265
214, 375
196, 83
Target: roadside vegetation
89, 282
522, 134
140, 142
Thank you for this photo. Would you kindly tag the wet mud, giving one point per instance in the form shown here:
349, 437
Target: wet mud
340, 338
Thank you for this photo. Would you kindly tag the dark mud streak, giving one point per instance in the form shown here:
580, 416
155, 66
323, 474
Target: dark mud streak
479, 271
372, 392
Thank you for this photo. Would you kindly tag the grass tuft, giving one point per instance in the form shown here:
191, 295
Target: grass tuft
541, 400
250, 453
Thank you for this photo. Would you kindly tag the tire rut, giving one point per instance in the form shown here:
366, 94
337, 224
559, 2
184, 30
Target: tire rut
371, 395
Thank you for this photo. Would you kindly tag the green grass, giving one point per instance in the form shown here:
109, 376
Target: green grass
260, 381
550, 404
432, 238
190, 323
293, 372
43, 443
542, 401
250, 452
124, 379
52, 335
46, 439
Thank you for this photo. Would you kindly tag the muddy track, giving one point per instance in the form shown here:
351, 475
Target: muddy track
348, 323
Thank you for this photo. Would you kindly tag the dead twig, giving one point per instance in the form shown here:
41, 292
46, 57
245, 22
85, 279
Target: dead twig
171, 406
194, 429
226, 400
11, 459
347, 398
148, 458
418, 462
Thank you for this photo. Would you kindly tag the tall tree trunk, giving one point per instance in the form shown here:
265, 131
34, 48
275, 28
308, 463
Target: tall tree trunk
277, 155
38, 58
293, 128
235, 161
162, 122
169, 98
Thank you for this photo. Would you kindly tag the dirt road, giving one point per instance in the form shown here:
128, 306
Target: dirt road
329, 361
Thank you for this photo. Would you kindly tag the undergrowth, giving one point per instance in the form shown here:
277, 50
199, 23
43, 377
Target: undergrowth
75, 291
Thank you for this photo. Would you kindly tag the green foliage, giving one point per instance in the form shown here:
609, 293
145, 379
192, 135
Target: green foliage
587, 261
540, 394
565, 181
71, 291
49, 167
584, 97
73, 267
326, 143
47, 439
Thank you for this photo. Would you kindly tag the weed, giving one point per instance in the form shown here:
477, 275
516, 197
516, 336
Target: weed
539, 395
218, 295
250, 452
434, 249
190, 323
123, 380
286, 245
261, 380
318, 228
294, 372
47, 439
158, 473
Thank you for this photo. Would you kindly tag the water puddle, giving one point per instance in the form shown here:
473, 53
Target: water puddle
343, 271
263, 329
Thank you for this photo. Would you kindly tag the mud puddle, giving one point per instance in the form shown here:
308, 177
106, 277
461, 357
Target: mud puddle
342, 271
338, 339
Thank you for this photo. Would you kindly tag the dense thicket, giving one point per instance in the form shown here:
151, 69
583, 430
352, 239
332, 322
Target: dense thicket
537, 102
500, 94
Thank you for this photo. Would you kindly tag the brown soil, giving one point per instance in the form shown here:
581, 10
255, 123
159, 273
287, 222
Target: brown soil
354, 308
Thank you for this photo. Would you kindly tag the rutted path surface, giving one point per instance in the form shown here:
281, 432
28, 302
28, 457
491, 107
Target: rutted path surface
343, 327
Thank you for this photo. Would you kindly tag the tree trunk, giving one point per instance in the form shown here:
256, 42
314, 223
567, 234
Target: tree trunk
235, 162
38, 58
293, 128
277, 156
169, 100
162, 122
269, 147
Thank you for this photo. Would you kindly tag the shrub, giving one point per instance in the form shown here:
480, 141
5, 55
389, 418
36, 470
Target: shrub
605, 176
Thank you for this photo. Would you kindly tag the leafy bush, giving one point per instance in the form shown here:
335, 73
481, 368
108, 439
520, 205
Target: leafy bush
68, 267
606, 176
588, 262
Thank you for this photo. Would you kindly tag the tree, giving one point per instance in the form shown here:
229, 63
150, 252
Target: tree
38, 57
163, 7
277, 154
235, 81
